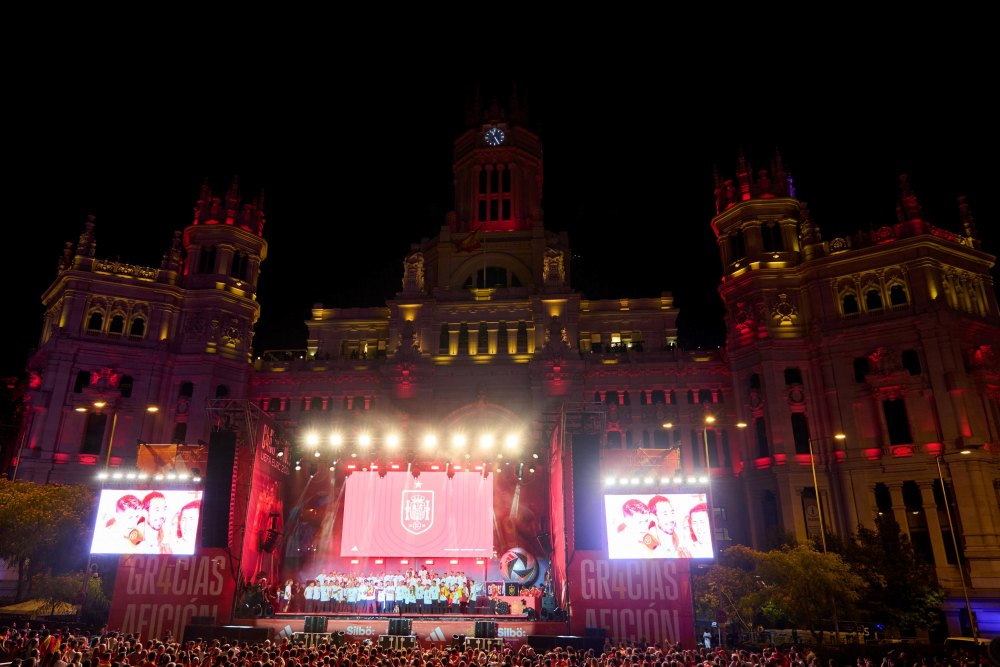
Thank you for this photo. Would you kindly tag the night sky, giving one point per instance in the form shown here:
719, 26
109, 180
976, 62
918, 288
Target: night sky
354, 171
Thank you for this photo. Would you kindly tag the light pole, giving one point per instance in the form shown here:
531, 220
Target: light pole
822, 525
100, 405
819, 503
709, 419
954, 542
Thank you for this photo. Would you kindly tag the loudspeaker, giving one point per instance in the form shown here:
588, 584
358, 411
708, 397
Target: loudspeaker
218, 487
315, 624
587, 497
993, 650
400, 626
338, 638
231, 633
457, 641
485, 630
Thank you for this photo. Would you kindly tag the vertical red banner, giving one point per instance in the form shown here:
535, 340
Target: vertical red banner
633, 600
155, 594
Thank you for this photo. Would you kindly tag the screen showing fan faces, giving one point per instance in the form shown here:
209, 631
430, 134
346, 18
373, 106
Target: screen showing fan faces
397, 514
658, 525
147, 521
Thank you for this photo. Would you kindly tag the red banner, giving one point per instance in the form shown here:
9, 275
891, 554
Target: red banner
632, 599
155, 595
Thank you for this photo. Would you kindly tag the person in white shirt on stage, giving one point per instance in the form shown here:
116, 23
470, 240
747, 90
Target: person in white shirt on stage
352, 596
429, 593
310, 595
402, 590
324, 598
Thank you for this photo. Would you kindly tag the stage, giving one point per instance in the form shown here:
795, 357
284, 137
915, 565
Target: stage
428, 629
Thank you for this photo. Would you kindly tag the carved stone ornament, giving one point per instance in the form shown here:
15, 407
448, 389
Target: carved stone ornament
413, 272
743, 319
553, 268
784, 311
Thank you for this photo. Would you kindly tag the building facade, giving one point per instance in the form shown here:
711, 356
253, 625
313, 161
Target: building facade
888, 339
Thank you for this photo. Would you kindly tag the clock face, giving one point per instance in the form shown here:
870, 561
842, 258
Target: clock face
494, 136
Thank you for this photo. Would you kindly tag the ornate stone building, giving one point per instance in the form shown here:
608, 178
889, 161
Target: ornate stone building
887, 338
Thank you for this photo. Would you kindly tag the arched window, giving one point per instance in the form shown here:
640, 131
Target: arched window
800, 432
522, 337
659, 397
760, 429
873, 300
755, 381
737, 246
897, 295
138, 328
463, 338
222, 391
187, 390
611, 397
849, 304
206, 260
705, 396
503, 340
614, 439
911, 361
116, 325
93, 433
96, 321
897, 422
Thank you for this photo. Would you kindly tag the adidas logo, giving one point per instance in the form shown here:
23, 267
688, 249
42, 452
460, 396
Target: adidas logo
436, 635
285, 632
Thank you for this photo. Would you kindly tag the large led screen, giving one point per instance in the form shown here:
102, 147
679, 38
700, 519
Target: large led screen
397, 514
147, 521
658, 525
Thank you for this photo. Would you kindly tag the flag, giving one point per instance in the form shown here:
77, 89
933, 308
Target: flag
471, 242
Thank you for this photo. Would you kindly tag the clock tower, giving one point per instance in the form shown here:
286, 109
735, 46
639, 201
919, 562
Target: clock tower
498, 173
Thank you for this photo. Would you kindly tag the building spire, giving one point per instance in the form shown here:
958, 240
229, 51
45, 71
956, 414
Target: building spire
968, 224
908, 210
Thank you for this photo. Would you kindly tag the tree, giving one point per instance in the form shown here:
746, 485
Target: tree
807, 586
729, 586
903, 591
795, 585
41, 528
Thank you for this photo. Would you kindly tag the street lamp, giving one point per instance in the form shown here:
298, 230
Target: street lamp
819, 503
709, 419
954, 542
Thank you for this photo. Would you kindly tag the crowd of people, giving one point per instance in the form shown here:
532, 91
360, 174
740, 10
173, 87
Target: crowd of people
413, 591
39, 647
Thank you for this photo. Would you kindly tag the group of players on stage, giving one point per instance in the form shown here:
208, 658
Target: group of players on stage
409, 592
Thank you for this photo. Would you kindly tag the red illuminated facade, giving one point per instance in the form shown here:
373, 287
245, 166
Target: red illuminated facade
889, 338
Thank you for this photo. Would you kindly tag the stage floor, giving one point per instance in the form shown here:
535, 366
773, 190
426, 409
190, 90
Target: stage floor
428, 629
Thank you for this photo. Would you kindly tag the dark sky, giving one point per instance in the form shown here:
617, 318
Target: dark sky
356, 170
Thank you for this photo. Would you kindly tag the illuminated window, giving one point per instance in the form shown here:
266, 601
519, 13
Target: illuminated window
494, 197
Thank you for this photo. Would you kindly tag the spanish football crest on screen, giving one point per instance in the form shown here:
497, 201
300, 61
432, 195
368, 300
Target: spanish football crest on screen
417, 513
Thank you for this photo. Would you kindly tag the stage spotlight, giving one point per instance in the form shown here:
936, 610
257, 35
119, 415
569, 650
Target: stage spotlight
531, 469
458, 440
312, 439
520, 471
298, 464
511, 441
392, 441
486, 441
312, 470
430, 441
534, 455
364, 439
336, 439
316, 453
333, 466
